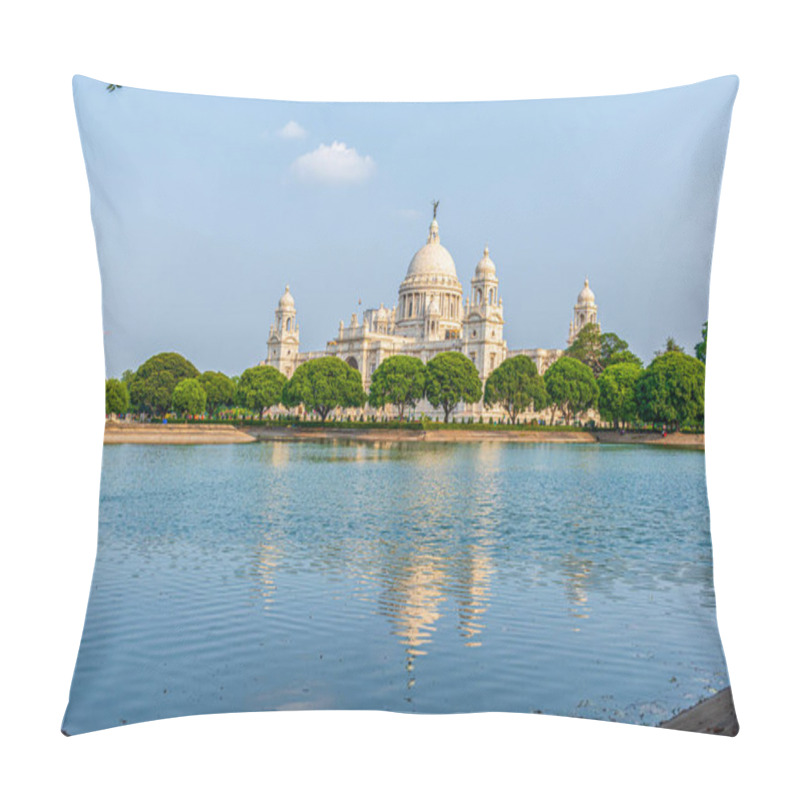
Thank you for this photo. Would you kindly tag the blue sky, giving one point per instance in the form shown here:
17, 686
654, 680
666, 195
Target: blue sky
205, 207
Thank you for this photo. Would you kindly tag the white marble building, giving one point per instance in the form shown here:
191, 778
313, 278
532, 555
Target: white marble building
431, 317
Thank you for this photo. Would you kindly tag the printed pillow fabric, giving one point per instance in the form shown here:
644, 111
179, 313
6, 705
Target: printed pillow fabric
404, 407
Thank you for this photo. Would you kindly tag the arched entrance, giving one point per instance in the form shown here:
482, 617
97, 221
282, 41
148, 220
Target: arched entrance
351, 362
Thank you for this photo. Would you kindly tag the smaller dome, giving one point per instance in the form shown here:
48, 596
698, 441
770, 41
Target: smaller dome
287, 301
586, 295
486, 267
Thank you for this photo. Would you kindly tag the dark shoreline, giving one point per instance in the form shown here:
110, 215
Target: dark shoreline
715, 715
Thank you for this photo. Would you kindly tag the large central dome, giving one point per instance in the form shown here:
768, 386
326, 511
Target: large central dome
432, 259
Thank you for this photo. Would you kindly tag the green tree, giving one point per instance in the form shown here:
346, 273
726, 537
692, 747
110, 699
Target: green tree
118, 400
617, 399
189, 397
259, 388
571, 386
700, 347
623, 357
614, 350
323, 384
670, 346
152, 386
451, 378
220, 390
671, 390
398, 381
516, 385
588, 348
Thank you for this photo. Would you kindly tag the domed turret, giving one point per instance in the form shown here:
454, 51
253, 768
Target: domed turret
585, 312
486, 267
286, 302
586, 295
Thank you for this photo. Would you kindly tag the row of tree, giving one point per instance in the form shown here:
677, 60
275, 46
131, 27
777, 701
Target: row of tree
596, 371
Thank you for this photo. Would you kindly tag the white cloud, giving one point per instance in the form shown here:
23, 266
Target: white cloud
334, 163
292, 130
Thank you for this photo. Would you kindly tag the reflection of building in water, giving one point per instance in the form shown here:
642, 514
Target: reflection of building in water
280, 454
418, 582
473, 594
431, 317
411, 598
267, 566
576, 572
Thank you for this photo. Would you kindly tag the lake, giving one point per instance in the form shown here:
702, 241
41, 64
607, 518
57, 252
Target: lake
540, 578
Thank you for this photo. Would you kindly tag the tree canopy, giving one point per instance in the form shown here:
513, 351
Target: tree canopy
587, 347
700, 347
153, 383
617, 398
451, 378
259, 388
623, 357
599, 351
670, 346
189, 397
398, 381
118, 399
571, 386
671, 390
323, 384
614, 350
516, 385
220, 390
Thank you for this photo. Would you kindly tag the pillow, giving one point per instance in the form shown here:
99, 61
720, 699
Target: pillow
367, 451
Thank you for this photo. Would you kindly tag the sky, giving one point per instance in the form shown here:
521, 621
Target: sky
204, 208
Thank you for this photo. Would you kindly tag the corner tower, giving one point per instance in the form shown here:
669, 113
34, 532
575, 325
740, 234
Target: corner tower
284, 336
483, 319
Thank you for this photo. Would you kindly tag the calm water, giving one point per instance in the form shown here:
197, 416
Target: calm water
561, 579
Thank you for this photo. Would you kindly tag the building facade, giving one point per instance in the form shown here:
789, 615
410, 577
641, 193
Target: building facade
431, 316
